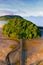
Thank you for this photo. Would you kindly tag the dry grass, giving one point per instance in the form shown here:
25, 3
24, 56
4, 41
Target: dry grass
13, 46
17, 63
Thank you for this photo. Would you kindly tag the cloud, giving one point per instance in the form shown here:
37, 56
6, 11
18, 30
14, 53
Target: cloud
6, 12
23, 13
12, 12
33, 13
21, 7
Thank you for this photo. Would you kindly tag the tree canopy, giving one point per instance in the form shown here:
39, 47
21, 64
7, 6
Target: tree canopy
19, 27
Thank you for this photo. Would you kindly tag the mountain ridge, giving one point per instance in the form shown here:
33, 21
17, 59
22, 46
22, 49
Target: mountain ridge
6, 17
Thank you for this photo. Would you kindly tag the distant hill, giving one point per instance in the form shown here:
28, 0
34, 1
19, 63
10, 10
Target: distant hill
40, 27
7, 17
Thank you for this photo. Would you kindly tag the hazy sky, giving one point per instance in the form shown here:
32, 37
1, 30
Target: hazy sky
22, 7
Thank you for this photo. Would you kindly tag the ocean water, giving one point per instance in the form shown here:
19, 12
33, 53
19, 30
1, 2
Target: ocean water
2, 22
41, 32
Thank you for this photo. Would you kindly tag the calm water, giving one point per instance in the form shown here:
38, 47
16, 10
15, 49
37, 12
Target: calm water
2, 22
41, 32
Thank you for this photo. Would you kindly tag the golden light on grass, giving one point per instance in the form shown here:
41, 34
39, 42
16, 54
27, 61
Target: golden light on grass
41, 63
13, 46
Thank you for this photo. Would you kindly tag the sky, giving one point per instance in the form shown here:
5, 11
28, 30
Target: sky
23, 8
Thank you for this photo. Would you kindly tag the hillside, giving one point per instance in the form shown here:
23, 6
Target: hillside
7, 17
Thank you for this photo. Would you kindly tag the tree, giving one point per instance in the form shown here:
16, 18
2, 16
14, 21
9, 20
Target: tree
21, 28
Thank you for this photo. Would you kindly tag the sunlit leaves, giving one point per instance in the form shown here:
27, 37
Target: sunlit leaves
21, 28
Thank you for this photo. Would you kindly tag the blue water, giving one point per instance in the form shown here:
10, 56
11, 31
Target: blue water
41, 32
2, 22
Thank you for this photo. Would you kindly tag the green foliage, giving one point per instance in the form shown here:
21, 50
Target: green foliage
20, 28
8, 17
